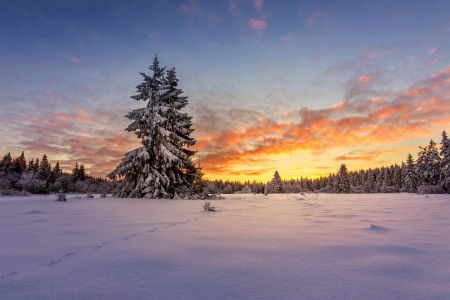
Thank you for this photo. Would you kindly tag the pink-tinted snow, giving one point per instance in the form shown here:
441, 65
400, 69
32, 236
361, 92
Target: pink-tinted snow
377, 246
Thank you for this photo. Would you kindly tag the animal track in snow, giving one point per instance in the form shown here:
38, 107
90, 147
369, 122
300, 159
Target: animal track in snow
101, 246
75, 253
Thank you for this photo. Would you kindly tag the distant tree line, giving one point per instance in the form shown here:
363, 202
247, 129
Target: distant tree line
429, 174
40, 177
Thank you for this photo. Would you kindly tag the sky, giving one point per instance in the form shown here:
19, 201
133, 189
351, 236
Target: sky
295, 86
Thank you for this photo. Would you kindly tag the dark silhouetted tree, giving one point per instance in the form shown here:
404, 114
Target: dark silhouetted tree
428, 165
343, 185
445, 162
410, 180
276, 185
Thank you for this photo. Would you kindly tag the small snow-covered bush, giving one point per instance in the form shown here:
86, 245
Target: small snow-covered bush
358, 190
13, 192
228, 189
61, 197
207, 206
104, 195
390, 189
326, 189
430, 189
211, 192
245, 190
90, 196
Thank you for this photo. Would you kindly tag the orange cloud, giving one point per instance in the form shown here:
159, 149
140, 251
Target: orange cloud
52, 96
370, 155
365, 79
415, 112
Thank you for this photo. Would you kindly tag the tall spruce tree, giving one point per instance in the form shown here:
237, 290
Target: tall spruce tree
6, 164
410, 177
45, 173
57, 169
45, 168
343, 182
445, 162
276, 185
20, 163
81, 173
75, 172
428, 165
162, 167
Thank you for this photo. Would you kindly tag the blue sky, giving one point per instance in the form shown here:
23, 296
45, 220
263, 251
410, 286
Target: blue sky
272, 84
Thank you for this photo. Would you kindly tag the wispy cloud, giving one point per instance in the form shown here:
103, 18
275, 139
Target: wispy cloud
287, 37
318, 20
370, 155
365, 79
257, 24
314, 18
190, 7
258, 4
233, 5
75, 59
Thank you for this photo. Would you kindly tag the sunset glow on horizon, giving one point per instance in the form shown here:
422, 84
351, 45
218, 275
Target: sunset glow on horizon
295, 86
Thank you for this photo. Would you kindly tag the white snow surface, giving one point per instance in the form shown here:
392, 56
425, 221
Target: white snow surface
325, 246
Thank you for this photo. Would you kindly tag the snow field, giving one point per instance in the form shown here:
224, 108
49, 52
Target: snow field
357, 246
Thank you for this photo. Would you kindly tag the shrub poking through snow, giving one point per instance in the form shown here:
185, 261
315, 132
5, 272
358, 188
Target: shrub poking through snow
103, 195
61, 197
245, 190
90, 195
207, 206
430, 189
13, 192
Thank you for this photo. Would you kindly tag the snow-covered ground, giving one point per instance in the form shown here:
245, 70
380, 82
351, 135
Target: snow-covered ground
377, 246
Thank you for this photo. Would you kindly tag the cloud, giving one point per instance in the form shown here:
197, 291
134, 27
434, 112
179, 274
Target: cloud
365, 79
318, 19
313, 19
370, 155
378, 121
376, 51
233, 5
190, 7
257, 24
429, 64
413, 57
51, 95
74, 59
258, 4
287, 37
86, 137
433, 51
